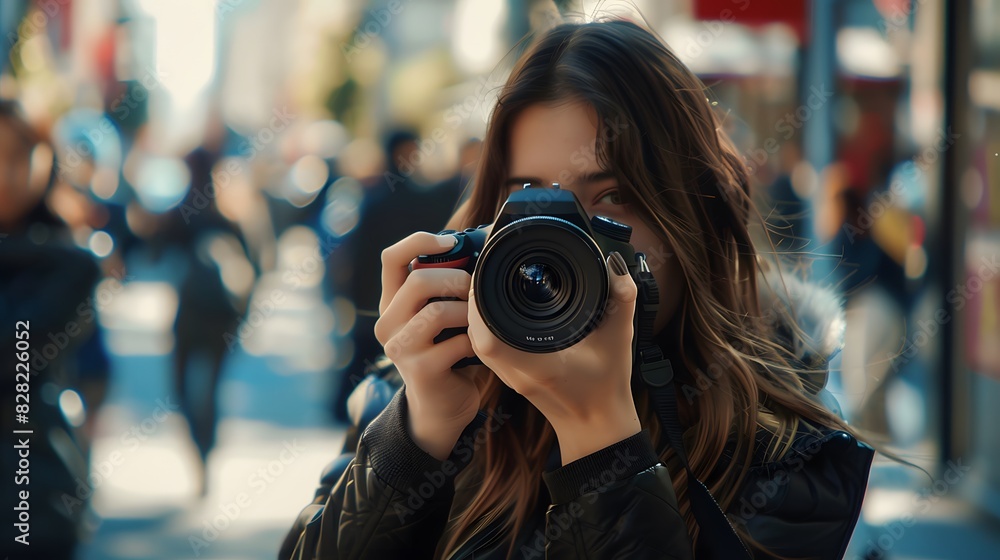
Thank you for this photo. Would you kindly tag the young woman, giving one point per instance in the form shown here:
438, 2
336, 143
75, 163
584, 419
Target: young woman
573, 461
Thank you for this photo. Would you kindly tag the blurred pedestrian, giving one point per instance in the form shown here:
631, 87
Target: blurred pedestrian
877, 229
468, 158
790, 222
45, 284
397, 206
196, 233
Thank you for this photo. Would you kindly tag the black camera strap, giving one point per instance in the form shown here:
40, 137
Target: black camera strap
718, 538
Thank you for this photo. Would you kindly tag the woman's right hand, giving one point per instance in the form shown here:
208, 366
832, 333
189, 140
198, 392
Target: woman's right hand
441, 402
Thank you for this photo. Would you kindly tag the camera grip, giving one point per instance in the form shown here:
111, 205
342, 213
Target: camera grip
452, 332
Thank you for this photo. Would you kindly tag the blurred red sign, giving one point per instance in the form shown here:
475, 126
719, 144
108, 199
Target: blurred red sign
751, 13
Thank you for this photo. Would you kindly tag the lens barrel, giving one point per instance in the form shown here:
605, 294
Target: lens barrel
541, 284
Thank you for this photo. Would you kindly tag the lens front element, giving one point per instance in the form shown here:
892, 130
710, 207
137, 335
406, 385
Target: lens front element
541, 284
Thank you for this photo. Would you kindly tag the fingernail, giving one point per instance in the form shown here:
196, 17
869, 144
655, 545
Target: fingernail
617, 264
447, 241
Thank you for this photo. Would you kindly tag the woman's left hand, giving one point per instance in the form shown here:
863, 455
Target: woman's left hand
584, 391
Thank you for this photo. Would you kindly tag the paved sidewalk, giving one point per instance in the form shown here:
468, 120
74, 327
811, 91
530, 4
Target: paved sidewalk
910, 517
262, 473
274, 436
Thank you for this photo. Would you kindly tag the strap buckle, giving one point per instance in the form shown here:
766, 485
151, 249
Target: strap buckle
656, 370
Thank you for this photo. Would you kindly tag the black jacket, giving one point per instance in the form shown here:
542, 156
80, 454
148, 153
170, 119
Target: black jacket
393, 499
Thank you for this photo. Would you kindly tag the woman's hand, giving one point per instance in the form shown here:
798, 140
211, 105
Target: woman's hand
584, 390
441, 402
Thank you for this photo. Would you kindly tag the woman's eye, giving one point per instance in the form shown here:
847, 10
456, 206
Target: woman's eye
611, 197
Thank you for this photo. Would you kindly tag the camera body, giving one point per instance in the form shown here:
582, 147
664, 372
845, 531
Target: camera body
540, 280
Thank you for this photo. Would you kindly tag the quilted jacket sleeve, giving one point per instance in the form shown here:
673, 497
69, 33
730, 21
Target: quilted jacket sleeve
807, 504
391, 502
619, 503
616, 503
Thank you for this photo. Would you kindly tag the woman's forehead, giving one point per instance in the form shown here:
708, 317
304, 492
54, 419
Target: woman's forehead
551, 141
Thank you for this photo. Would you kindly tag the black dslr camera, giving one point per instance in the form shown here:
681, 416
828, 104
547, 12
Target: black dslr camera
541, 281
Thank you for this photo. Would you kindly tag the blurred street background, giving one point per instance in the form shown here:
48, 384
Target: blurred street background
211, 183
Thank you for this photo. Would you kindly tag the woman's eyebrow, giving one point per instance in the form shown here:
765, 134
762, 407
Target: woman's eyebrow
594, 176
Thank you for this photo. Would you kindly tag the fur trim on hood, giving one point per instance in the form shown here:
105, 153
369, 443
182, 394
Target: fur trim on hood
809, 320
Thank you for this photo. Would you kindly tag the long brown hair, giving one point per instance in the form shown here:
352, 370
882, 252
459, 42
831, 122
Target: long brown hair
685, 180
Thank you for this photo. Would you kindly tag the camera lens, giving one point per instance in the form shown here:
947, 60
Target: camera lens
538, 283
541, 284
